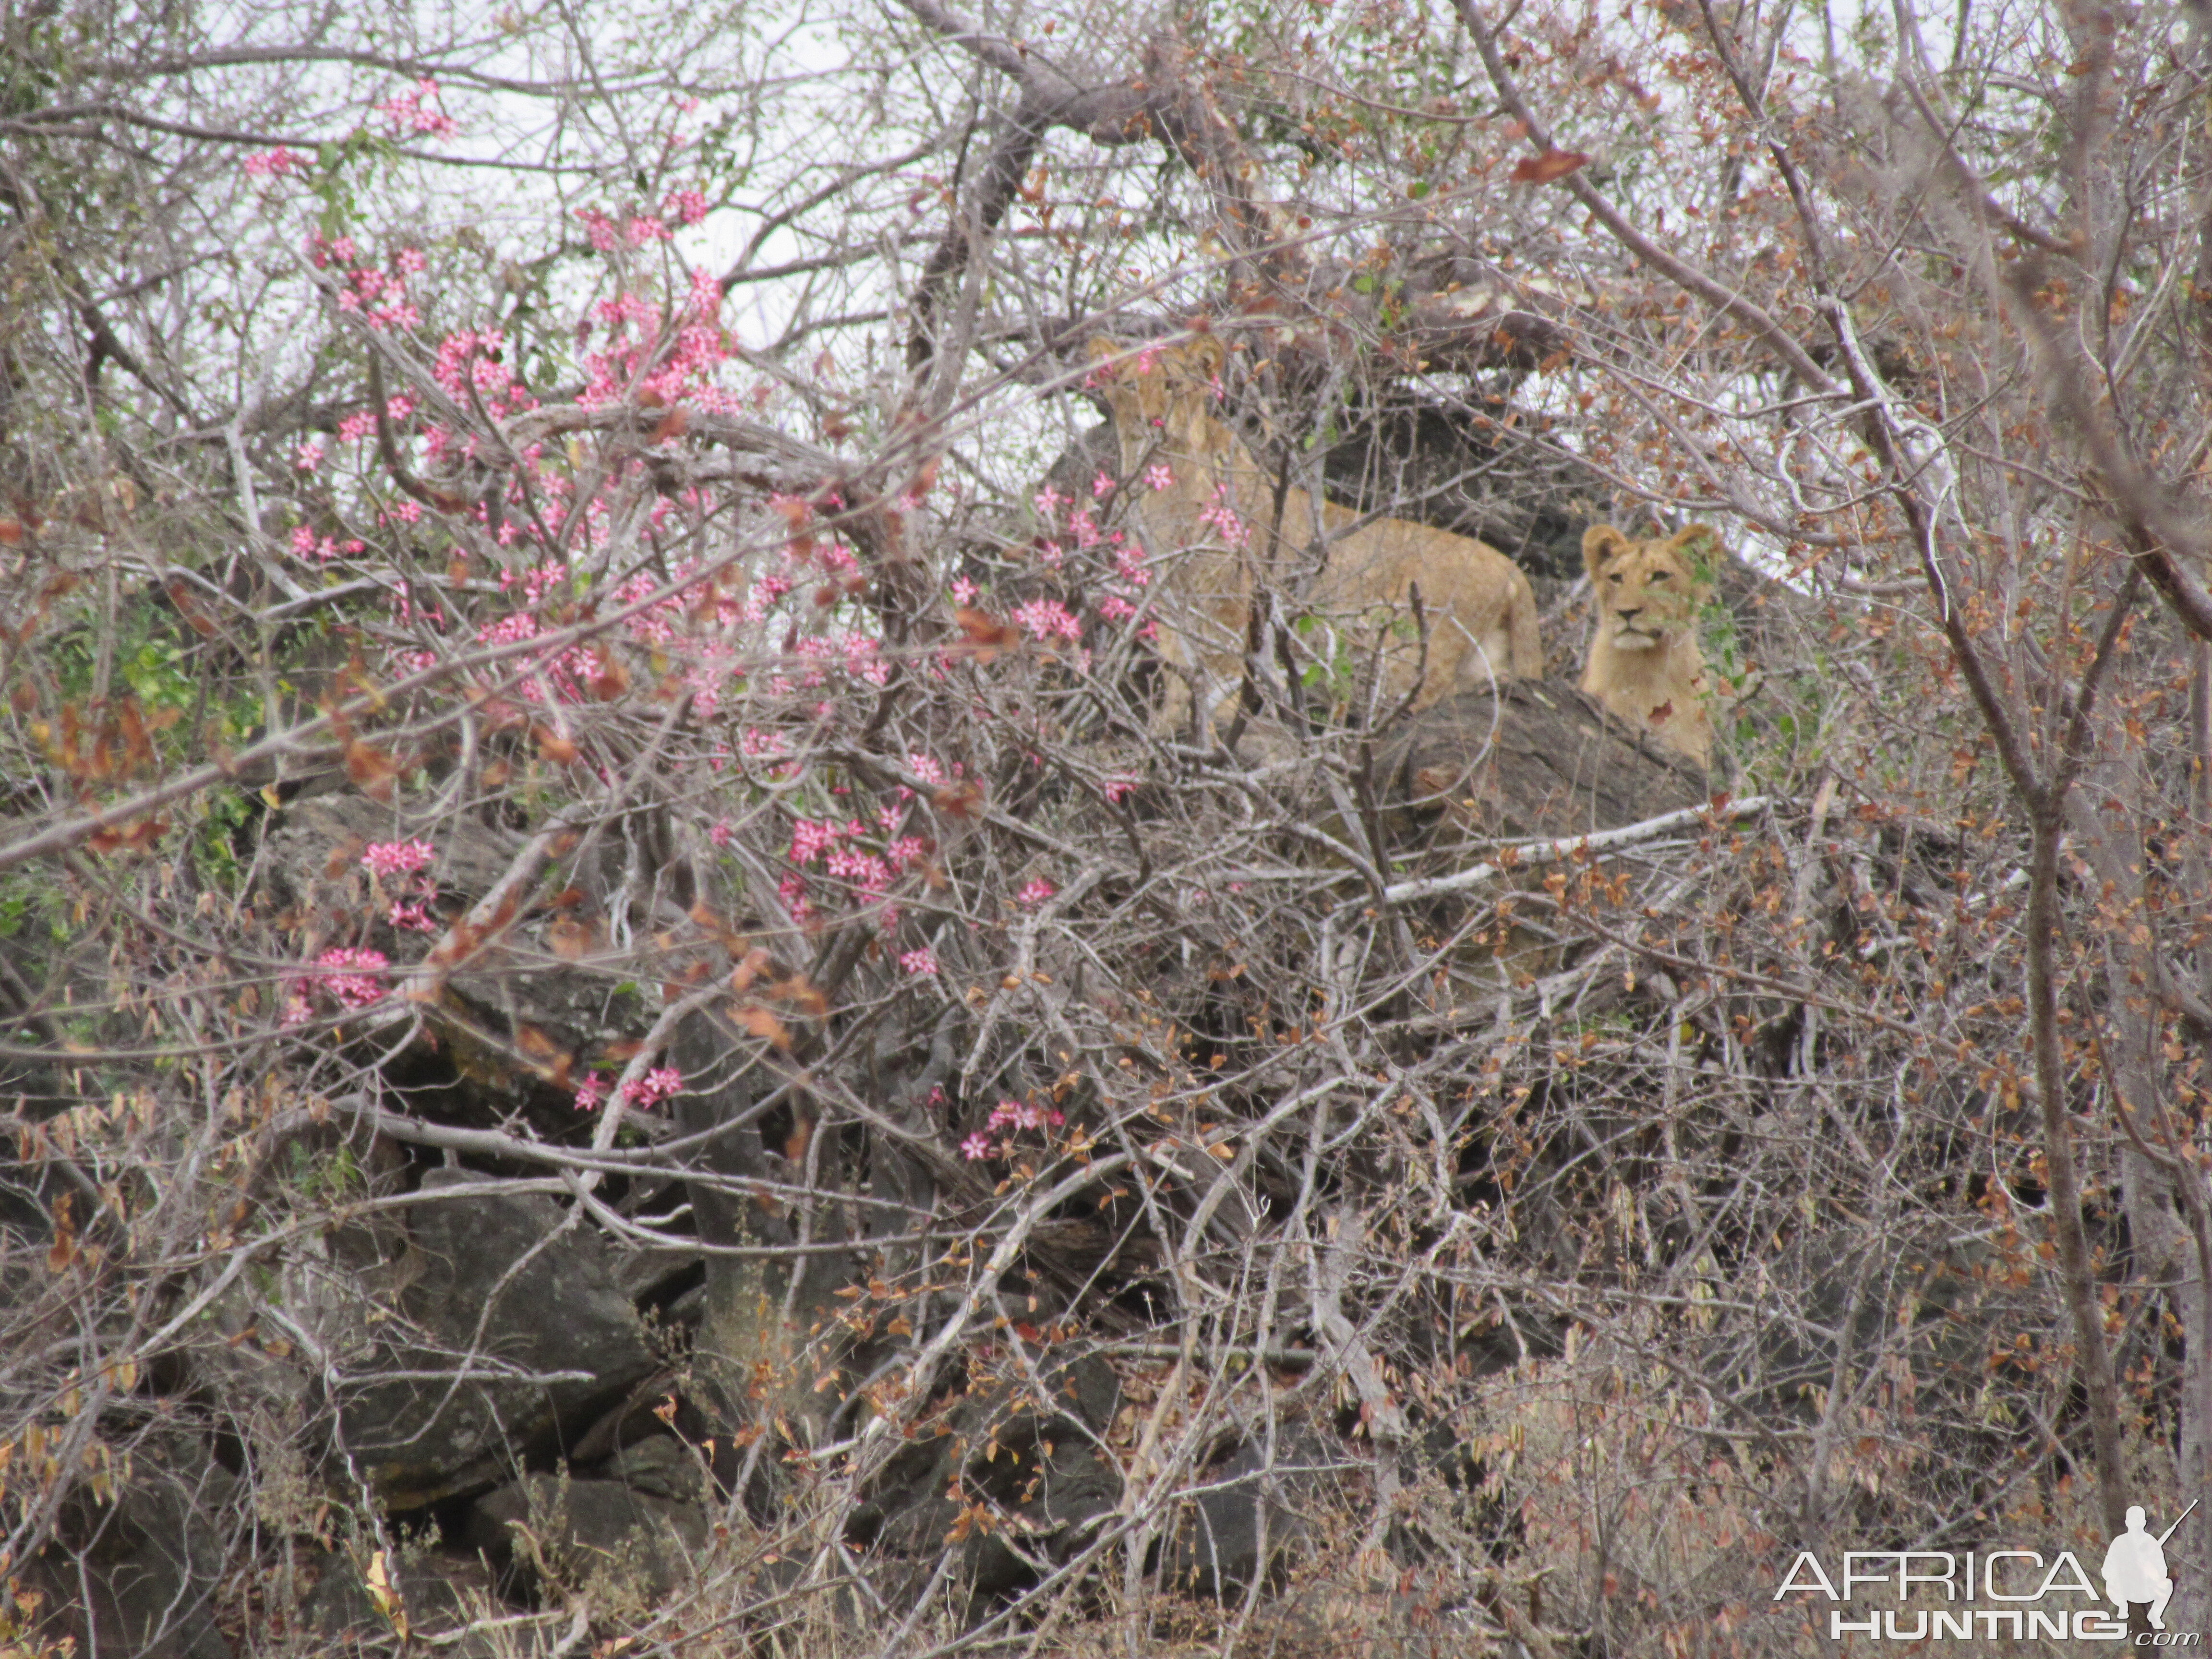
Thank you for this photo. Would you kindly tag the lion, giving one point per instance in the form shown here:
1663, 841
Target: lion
1213, 521
1644, 662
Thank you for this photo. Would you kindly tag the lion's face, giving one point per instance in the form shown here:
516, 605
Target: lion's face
1161, 394
1648, 593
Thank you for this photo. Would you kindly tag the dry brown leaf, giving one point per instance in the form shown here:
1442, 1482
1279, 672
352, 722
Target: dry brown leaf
759, 1022
802, 995
963, 799
983, 635
1552, 164
554, 747
612, 679
570, 940
371, 769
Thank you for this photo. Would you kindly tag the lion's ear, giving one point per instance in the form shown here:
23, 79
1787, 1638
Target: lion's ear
1703, 560
1207, 355
1102, 348
1601, 546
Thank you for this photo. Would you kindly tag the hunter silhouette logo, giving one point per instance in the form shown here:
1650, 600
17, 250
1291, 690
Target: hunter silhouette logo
2135, 1566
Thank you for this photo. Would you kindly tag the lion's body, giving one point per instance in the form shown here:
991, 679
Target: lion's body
1644, 664
1215, 532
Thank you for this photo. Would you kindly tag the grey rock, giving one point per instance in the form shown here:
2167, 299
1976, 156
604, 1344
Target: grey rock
139, 1575
663, 1467
438, 1595
1246, 1512
1045, 1477
505, 1304
589, 1529
1537, 757
314, 848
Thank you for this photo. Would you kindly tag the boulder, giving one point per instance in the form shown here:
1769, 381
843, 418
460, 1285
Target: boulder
512, 1331
630, 1542
1534, 758
1031, 1460
1245, 1513
138, 1575
439, 1595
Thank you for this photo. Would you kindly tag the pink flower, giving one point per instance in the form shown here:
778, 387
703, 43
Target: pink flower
1037, 892
411, 112
722, 835
1102, 486
598, 227
1113, 608
1222, 517
1046, 619
964, 591
387, 858
590, 1091
977, 1146
791, 890
656, 1085
1160, 476
937, 1097
1117, 789
688, 206
412, 916
920, 962
276, 163
1015, 1114
754, 743
356, 427
309, 455
351, 976
645, 228
864, 870
810, 840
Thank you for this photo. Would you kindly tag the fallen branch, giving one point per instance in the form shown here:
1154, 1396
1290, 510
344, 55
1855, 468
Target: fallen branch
1598, 840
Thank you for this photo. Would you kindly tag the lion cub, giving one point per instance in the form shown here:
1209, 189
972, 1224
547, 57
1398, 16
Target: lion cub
1644, 664
1207, 510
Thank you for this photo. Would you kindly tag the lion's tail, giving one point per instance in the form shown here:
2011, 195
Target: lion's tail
1521, 626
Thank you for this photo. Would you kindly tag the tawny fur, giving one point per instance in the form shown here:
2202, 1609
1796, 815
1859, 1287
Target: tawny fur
1479, 612
1644, 664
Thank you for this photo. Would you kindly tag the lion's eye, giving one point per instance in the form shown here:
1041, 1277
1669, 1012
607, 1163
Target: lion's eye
1617, 578
1660, 576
